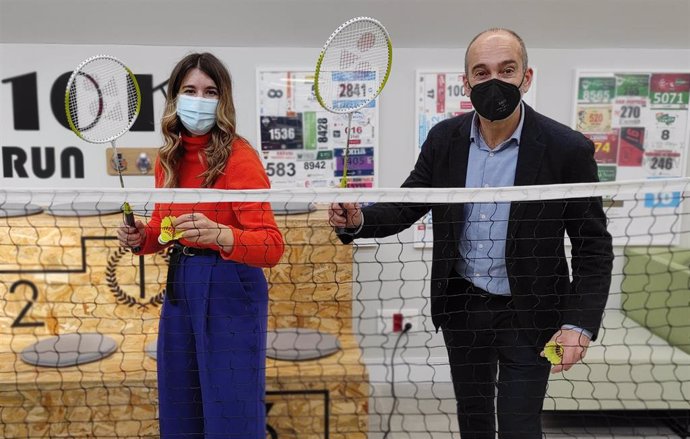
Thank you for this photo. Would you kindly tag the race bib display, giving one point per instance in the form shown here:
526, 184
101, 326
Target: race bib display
638, 123
302, 144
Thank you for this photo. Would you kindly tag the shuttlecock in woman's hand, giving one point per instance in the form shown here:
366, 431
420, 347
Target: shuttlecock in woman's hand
168, 231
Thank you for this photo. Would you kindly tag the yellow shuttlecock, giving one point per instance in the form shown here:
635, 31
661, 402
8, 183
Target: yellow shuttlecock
168, 231
553, 352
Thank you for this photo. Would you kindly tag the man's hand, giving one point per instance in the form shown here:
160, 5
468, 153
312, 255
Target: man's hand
345, 215
574, 346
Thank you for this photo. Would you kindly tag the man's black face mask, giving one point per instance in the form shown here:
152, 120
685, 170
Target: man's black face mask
495, 99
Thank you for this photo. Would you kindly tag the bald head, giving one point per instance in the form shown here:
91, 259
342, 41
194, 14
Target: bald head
498, 31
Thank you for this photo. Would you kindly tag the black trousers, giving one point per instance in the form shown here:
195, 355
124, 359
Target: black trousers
495, 365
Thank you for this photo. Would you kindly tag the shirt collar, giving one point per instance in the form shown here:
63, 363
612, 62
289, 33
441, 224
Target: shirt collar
474, 131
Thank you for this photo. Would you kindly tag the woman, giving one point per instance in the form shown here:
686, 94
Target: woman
212, 334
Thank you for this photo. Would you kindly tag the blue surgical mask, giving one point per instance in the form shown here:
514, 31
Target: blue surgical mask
198, 115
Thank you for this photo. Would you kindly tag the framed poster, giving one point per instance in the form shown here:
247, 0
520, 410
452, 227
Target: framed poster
638, 121
440, 95
302, 145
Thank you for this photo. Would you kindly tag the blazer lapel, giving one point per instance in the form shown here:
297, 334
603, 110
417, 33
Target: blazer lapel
531, 151
530, 155
458, 154
459, 151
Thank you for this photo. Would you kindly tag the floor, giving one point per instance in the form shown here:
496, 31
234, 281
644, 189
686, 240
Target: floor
557, 425
614, 425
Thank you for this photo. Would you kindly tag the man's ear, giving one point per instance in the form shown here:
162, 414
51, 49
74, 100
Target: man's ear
527, 81
466, 84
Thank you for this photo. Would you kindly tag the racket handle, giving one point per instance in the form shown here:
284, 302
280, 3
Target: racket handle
129, 220
340, 230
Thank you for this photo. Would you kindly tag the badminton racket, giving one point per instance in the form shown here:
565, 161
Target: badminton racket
351, 71
102, 101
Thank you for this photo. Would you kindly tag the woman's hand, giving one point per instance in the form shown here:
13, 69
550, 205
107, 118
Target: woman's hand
132, 237
197, 228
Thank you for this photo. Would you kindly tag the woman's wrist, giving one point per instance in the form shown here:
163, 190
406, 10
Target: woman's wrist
226, 239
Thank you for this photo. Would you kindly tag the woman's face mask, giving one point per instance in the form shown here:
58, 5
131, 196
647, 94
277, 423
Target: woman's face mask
198, 115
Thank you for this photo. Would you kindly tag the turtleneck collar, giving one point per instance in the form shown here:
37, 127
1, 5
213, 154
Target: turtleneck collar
195, 143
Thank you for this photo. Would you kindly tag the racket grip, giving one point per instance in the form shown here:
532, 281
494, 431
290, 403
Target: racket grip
129, 220
340, 230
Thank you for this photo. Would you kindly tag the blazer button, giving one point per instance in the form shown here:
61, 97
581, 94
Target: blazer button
440, 284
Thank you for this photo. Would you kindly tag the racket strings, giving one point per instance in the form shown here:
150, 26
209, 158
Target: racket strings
103, 100
354, 66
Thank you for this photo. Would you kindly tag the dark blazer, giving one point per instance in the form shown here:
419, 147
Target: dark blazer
543, 293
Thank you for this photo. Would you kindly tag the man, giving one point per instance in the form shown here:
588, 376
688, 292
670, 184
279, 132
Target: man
500, 285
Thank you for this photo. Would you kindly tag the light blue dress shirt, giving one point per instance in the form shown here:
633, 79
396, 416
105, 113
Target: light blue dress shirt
483, 237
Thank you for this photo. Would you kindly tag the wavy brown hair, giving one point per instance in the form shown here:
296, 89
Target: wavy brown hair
218, 150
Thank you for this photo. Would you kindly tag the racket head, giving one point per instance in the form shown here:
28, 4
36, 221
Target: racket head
102, 99
359, 55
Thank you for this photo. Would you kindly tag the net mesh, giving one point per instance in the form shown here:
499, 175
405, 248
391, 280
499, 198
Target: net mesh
80, 318
353, 66
102, 99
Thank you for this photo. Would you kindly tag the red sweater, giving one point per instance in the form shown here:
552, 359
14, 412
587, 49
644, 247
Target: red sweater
257, 239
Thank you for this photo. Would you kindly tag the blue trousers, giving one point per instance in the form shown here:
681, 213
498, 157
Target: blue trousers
212, 351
